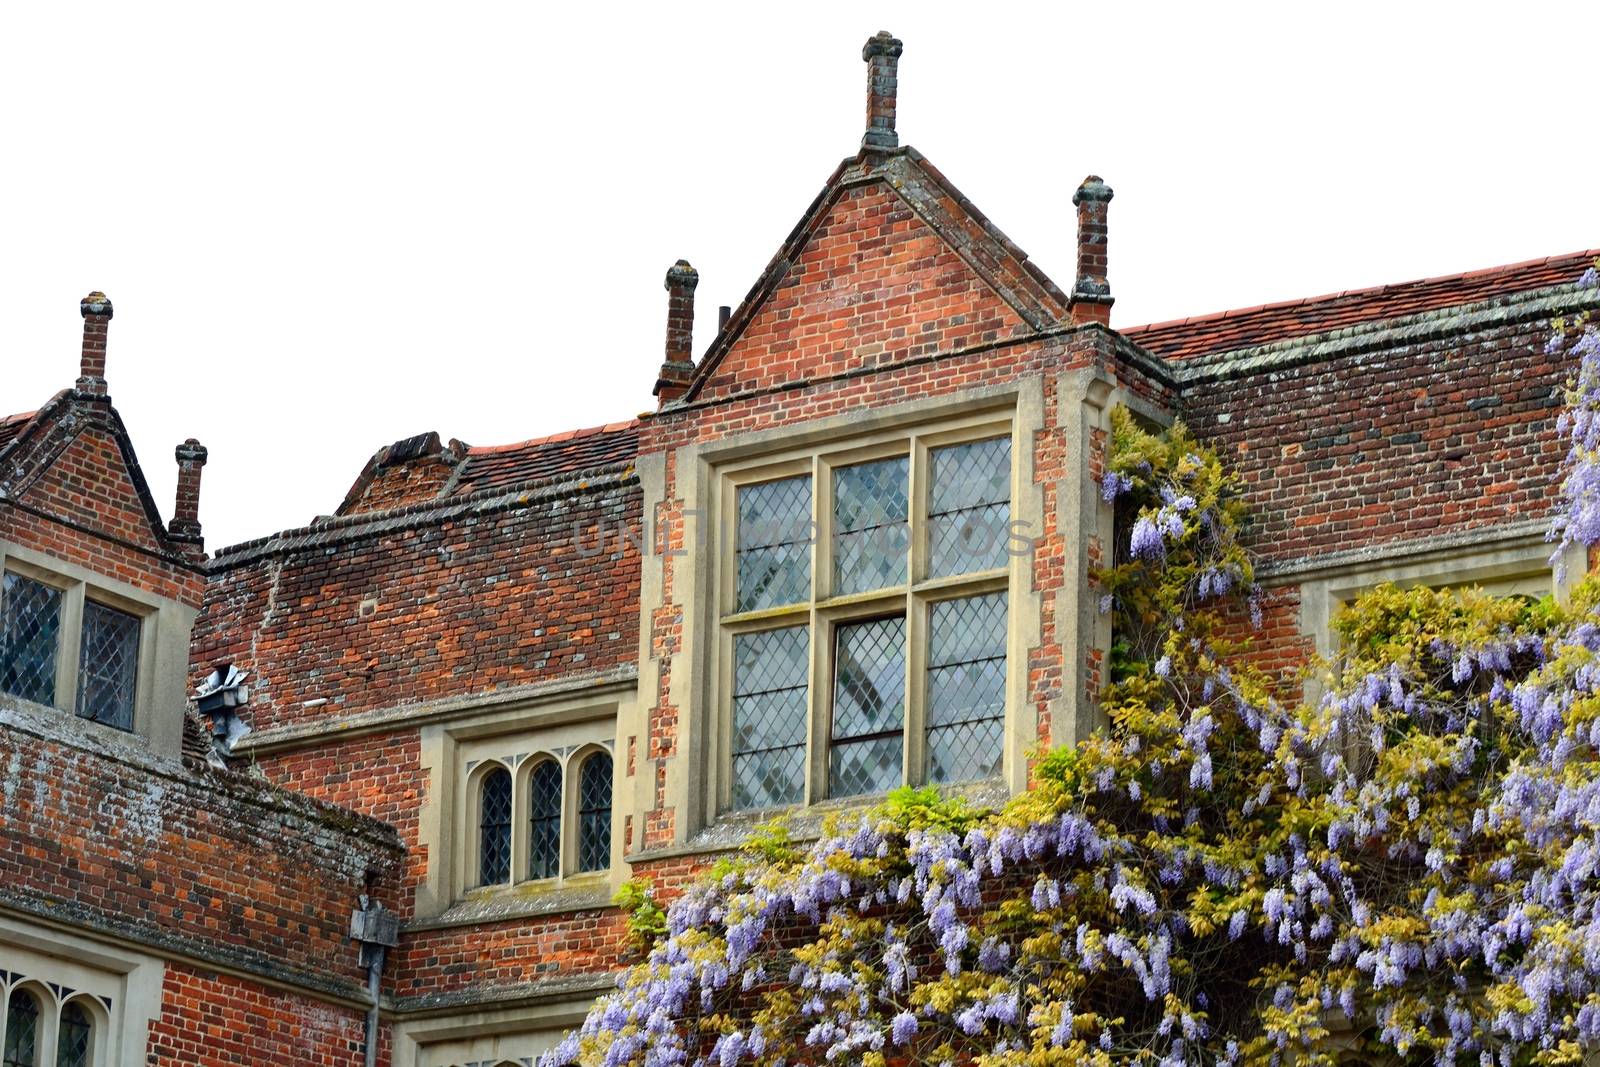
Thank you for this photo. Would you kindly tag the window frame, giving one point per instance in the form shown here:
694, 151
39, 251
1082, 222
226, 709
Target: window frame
569, 760
51, 1004
824, 612
77, 589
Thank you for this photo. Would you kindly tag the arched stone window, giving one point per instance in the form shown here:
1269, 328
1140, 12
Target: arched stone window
494, 826
594, 813
544, 820
75, 1036
22, 1030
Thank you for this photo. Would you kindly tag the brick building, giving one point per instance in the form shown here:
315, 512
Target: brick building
848, 548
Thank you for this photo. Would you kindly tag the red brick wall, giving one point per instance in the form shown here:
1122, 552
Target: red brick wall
222, 866
875, 285
379, 775
403, 483
561, 945
211, 1019
465, 606
84, 510
1397, 444
88, 484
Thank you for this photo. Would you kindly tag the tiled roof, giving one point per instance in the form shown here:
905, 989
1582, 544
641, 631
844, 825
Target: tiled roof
1229, 331
12, 425
501, 466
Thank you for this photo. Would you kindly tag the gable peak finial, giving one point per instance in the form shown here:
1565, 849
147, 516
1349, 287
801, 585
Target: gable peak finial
882, 56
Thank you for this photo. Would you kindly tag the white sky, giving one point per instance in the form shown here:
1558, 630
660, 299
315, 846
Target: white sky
328, 226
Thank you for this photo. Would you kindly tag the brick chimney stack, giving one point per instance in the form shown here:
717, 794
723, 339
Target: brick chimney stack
96, 311
882, 54
1091, 293
678, 367
185, 525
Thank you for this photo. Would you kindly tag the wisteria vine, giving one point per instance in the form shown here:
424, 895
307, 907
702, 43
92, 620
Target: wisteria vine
1409, 864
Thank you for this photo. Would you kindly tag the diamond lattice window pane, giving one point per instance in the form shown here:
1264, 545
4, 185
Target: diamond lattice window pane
773, 577
870, 532
869, 703
770, 671
72, 1037
108, 666
30, 625
869, 678
971, 628
774, 549
22, 1031
494, 846
969, 507
965, 752
594, 813
856, 768
769, 779
966, 688
544, 820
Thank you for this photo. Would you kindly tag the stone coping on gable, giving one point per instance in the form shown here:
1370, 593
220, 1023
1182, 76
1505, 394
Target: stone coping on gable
336, 530
1530, 306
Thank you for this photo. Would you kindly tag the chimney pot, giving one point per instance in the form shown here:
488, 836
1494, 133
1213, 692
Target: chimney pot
1091, 292
678, 367
96, 311
185, 525
882, 56
724, 313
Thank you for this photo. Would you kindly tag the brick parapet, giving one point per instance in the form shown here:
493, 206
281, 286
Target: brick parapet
217, 867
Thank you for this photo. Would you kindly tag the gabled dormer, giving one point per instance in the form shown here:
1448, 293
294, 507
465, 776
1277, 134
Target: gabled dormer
875, 502
97, 592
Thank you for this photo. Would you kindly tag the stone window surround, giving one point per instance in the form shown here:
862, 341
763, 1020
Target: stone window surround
825, 614
691, 782
160, 695
1517, 560
457, 754
60, 967
570, 758
438, 1040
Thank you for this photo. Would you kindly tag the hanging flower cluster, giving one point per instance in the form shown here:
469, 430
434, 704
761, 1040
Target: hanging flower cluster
1409, 864
1579, 339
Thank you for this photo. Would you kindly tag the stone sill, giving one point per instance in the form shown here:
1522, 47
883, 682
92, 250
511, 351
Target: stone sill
525, 900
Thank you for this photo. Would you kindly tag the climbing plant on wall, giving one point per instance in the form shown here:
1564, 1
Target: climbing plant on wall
1409, 865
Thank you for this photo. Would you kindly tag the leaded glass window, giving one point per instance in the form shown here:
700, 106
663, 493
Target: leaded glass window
774, 553
969, 507
966, 687
30, 628
594, 813
869, 704
108, 665
73, 1036
544, 820
22, 1030
769, 717
870, 535
494, 828
904, 631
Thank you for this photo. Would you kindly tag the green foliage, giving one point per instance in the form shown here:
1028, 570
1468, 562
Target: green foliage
910, 808
1208, 880
647, 919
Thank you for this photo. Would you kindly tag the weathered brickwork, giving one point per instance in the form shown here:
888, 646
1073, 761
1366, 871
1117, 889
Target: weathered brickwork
874, 286
379, 619
211, 1019
219, 867
379, 776
1392, 444
554, 596
486, 956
